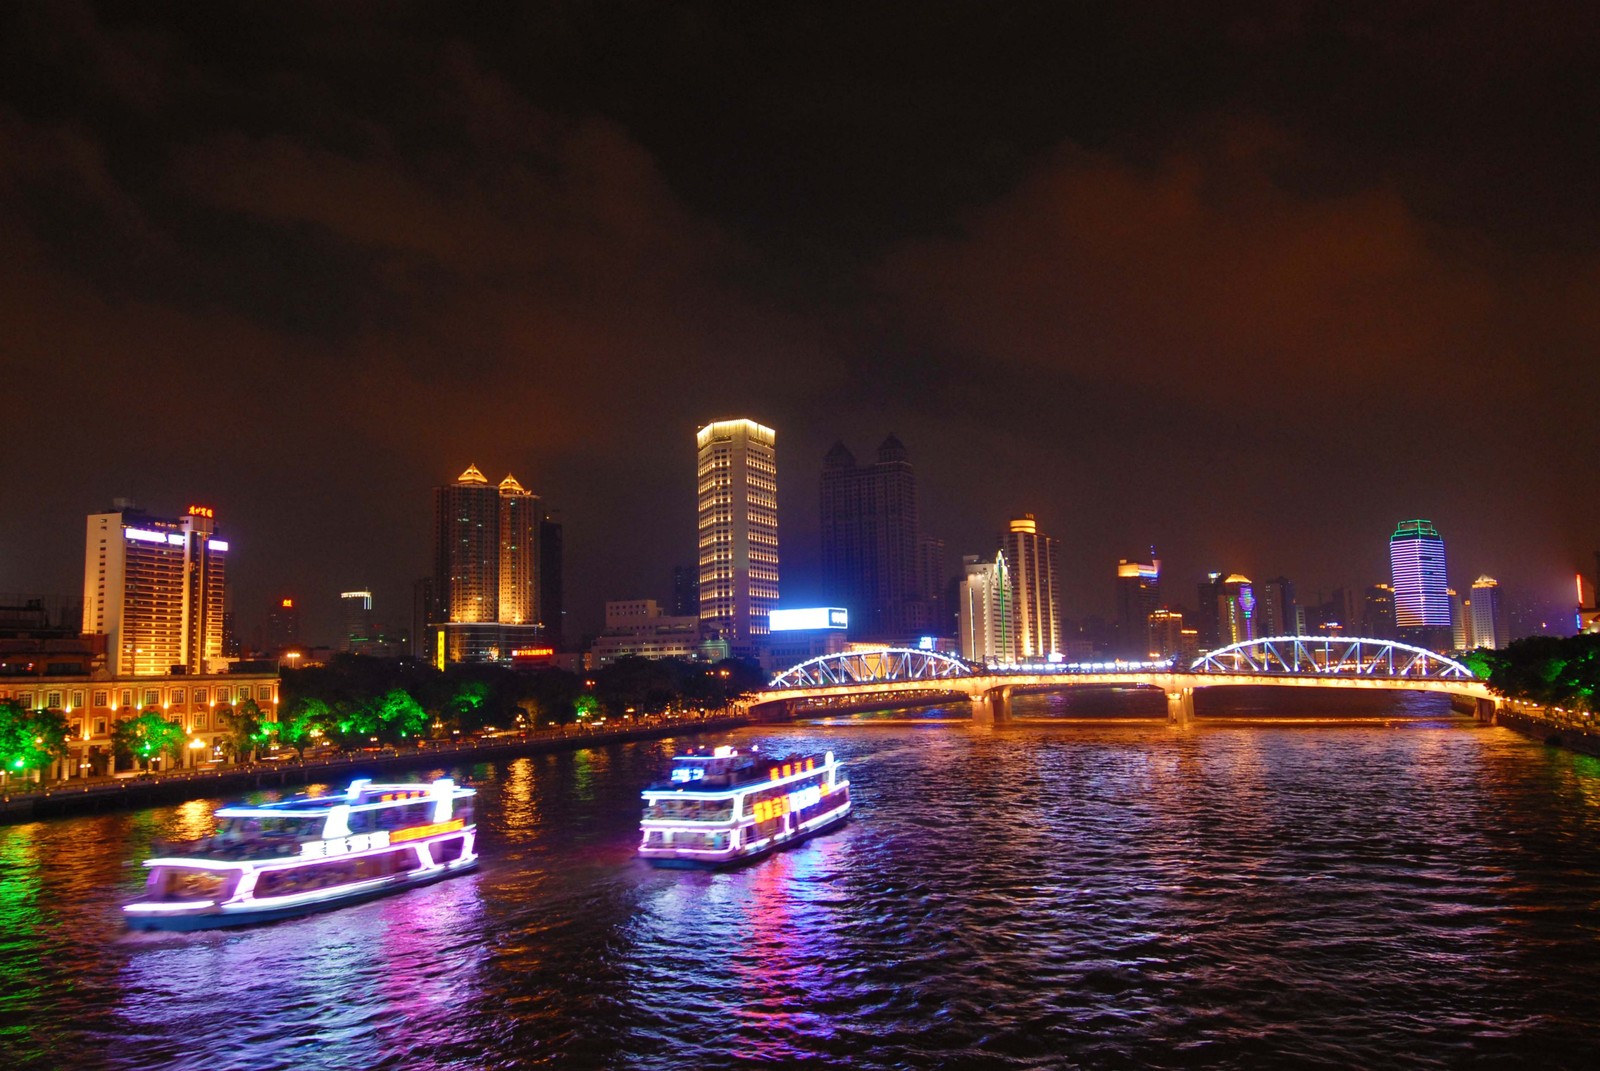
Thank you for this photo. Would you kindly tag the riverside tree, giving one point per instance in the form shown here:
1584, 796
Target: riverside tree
30, 739
146, 737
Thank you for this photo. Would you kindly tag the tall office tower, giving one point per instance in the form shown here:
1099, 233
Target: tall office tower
424, 612
738, 531
1236, 608
1275, 608
1034, 561
933, 581
1377, 618
156, 589
1460, 622
983, 610
1138, 596
283, 625
485, 583
1209, 626
869, 539
552, 591
1489, 625
1421, 591
355, 614
520, 517
1166, 631
685, 591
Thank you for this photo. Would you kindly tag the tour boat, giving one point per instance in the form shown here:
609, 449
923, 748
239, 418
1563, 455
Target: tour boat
309, 853
726, 806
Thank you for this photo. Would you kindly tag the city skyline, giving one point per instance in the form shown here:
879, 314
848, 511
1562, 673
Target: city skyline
1144, 281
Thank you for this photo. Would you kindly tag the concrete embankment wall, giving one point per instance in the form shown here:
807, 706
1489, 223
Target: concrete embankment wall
1548, 729
75, 798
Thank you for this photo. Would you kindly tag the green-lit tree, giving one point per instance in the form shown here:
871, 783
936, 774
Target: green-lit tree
400, 717
30, 739
302, 721
147, 737
247, 730
1553, 671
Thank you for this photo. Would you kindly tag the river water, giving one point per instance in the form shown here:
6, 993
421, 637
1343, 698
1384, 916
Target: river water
1391, 893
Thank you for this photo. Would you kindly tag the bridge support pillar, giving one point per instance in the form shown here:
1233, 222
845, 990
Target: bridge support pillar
1180, 706
1487, 709
992, 707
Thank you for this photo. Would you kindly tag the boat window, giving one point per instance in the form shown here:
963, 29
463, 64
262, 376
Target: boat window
179, 883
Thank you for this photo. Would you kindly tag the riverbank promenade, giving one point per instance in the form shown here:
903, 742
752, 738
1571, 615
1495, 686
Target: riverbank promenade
23, 802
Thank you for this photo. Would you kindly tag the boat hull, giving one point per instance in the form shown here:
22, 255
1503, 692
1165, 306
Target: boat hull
216, 918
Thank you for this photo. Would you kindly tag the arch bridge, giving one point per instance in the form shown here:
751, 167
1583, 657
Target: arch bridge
858, 677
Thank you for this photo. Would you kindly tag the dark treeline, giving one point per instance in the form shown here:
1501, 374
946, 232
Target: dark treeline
355, 700
1553, 671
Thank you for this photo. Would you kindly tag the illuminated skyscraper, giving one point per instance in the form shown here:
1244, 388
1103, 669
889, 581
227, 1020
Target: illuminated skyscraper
984, 612
1138, 596
1035, 589
1236, 610
1421, 592
485, 583
355, 611
869, 540
738, 531
1275, 608
156, 588
1489, 627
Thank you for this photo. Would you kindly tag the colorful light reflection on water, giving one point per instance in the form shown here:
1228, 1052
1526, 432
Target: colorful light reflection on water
1409, 895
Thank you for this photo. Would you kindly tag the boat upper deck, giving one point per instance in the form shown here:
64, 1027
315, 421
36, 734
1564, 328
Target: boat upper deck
725, 769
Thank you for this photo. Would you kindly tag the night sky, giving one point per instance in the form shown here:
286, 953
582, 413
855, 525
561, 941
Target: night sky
1250, 283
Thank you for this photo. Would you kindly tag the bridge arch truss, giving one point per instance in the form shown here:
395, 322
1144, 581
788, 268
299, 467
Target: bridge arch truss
883, 666
1331, 656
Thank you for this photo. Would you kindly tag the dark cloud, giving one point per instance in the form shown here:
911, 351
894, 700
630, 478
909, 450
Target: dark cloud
1251, 282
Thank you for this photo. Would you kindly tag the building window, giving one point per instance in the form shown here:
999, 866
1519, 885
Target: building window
177, 696
152, 698
199, 695
265, 691
75, 727
99, 727
127, 697
77, 700
223, 695
199, 721
53, 701
101, 698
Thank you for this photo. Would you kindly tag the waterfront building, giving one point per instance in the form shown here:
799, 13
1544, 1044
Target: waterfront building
485, 584
1208, 625
283, 624
552, 587
638, 628
737, 477
1138, 596
1421, 590
1166, 635
801, 634
931, 611
1034, 561
93, 697
1236, 608
1377, 619
983, 611
1460, 621
1490, 627
870, 540
1276, 611
355, 613
685, 590
155, 587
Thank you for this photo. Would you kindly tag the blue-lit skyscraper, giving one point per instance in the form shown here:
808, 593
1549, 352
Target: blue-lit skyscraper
1421, 592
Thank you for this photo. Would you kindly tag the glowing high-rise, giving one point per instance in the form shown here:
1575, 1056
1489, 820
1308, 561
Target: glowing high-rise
486, 578
1035, 589
1421, 591
738, 531
156, 589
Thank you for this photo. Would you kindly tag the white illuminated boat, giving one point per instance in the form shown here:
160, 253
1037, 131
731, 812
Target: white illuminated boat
309, 853
726, 806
